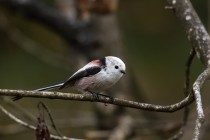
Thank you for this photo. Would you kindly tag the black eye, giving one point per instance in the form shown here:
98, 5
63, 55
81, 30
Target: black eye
116, 67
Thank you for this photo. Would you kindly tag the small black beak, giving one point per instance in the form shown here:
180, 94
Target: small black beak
122, 71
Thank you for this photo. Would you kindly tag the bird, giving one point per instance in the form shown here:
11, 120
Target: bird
95, 77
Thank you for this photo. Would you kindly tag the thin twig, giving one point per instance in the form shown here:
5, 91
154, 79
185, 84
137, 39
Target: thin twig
14, 118
50, 116
186, 92
187, 73
88, 97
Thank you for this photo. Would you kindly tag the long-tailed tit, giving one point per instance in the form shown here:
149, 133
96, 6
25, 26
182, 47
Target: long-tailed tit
97, 76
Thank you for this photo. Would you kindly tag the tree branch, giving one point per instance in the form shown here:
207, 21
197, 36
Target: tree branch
89, 97
197, 92
195, 30
200, 40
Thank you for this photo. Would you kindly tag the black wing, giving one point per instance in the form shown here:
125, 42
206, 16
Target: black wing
84, 73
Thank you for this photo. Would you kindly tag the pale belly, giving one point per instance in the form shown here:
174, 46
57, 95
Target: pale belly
93, 84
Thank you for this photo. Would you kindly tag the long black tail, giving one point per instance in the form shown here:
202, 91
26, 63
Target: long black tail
41, 89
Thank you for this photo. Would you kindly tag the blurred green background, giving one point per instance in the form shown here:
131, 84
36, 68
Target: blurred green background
154, 43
